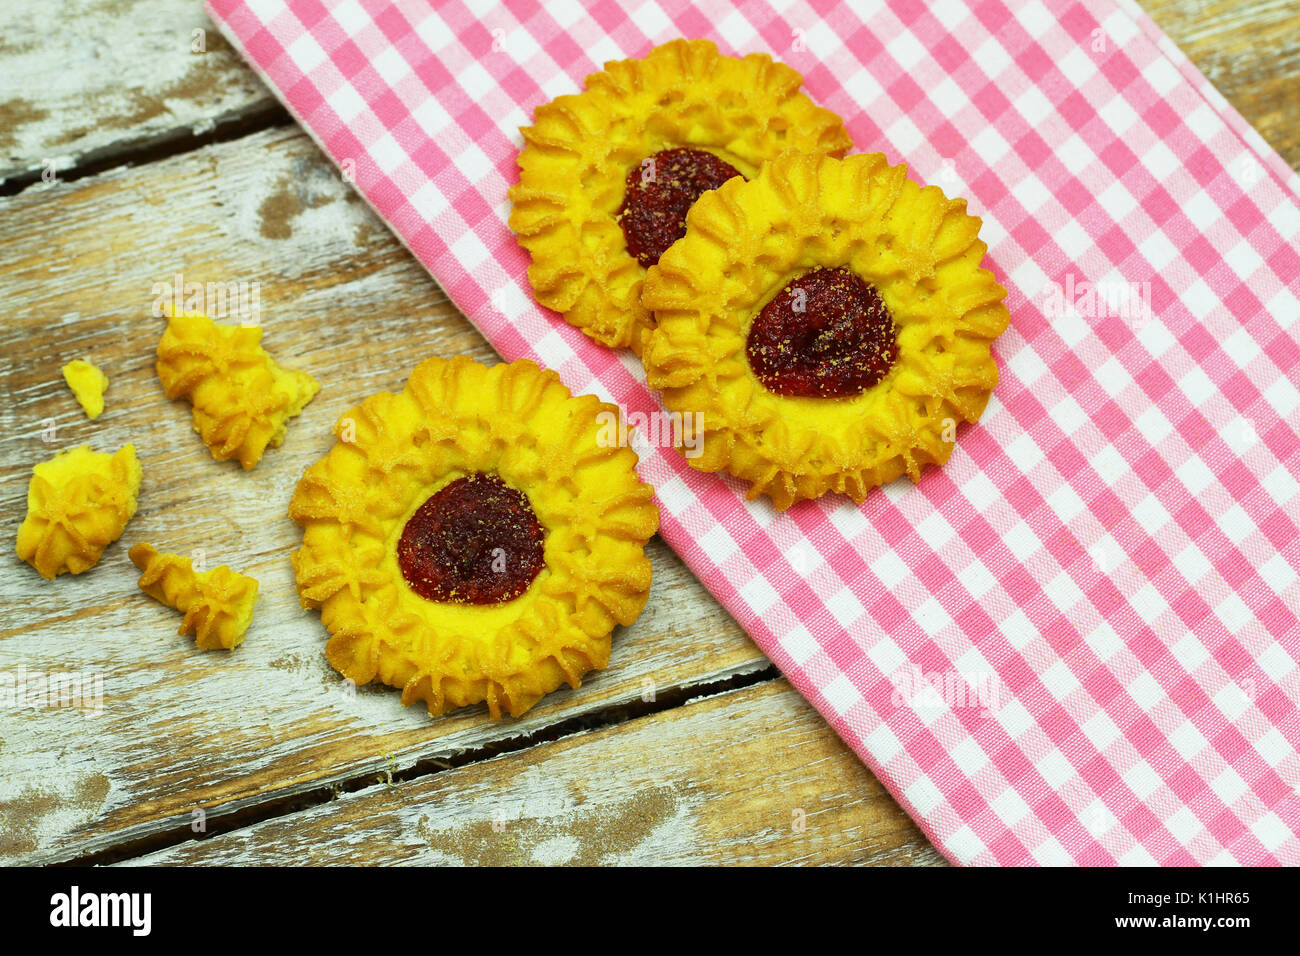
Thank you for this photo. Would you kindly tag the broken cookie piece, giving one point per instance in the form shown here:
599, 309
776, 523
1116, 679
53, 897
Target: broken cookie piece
78, 503
241, 396
88, 384
217, 604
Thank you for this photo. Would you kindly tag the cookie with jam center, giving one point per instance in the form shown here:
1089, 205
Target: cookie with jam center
475, 537
828, 324
607, 175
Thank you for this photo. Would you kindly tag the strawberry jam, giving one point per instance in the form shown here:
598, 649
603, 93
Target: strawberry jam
827, 334
476, 541
659, 192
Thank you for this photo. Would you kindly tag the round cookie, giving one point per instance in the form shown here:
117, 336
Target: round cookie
472, 537
606, 175
829, 322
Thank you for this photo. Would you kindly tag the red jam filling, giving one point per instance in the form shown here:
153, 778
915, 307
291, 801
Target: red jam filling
827, 334
476, 541
659, 193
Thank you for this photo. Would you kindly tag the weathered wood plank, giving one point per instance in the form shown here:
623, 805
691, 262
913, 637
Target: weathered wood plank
1250, 52
182, 729
88, 81
746, 777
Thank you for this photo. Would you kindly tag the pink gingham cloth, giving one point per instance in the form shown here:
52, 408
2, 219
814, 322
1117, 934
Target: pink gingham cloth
1076, 642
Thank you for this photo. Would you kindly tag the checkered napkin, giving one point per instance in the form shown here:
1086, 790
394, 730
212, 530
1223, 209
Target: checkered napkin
1076, 642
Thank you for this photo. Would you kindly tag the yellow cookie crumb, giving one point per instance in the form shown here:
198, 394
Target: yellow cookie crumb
78, 503
217, 604
88, 384
241, 396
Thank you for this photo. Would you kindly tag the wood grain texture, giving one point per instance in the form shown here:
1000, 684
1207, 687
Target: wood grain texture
91, 83
86, 80
746, 777
182, 728
1250, 52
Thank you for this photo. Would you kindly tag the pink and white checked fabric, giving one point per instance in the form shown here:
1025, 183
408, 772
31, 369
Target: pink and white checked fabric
1078, 641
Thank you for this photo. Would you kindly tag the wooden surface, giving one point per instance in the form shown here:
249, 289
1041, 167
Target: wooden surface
1250, 51
647, 791
689, 748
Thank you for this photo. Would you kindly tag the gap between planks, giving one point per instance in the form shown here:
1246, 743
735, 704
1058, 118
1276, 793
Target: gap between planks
677, 787
340, 298
222, 824
1243, 84
157, 146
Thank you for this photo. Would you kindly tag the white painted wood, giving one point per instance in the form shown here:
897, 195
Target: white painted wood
747, 777
180, 728
82, 79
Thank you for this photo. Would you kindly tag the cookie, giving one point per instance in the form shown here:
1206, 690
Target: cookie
242, 398
88, 384
473, 538
217, 604
78, 503
607, 175
828, 323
